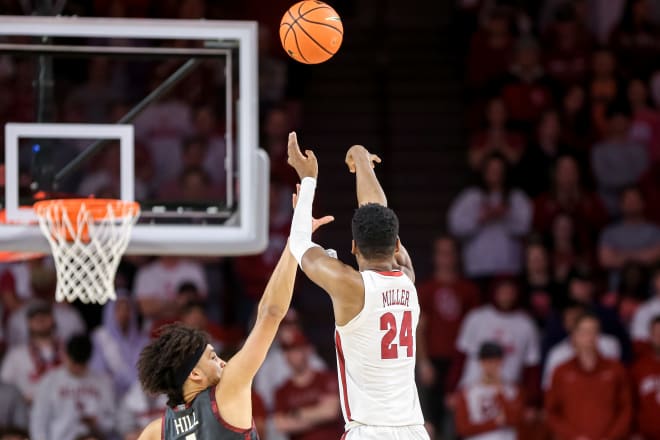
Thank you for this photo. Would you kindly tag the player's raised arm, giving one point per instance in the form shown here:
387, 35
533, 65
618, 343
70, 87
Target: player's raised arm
362, 164
338, 279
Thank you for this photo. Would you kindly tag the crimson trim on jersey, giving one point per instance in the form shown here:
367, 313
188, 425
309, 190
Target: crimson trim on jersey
216, 412
344, 435
342, 374
391, 273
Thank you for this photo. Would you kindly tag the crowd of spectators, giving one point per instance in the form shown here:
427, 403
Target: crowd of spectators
541, 318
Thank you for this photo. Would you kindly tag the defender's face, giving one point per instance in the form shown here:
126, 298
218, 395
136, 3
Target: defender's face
211, 366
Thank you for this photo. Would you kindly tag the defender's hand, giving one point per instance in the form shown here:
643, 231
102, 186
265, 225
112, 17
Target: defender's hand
306, 164
316, 222
357, 153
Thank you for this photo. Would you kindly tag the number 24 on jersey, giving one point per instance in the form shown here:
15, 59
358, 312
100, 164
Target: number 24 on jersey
389, 349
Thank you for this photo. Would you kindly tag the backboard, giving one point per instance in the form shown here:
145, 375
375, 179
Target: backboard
208, 193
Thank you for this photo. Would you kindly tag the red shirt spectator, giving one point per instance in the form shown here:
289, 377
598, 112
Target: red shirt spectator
527, 91
496, 137
491, 50
489, 407
307, 405
444, 300
645, 376
589, 396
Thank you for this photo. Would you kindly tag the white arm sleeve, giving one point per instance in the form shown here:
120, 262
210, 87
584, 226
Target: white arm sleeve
300, 239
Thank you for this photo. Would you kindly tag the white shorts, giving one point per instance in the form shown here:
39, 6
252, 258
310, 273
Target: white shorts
365, 432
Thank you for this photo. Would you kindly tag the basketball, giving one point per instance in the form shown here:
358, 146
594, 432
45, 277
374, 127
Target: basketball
311, 32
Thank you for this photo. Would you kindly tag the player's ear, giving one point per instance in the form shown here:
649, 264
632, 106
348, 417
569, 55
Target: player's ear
354, 249
397, 245
196, 375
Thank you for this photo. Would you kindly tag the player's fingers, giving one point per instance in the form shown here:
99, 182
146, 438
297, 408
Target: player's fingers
325, 220
310, 154
293, 147
376, 158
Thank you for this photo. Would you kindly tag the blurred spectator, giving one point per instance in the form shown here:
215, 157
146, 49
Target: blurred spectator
490, 408
16, 281
277, 124
494, 43
502, 322
604, 87
25, 364
96, 95
645, 127
540, 290
589, 396
161, 127
156, 284
117, 343
444, 301
607, 346
14, 411
569, 196
641, 323
617, 161
567, 45
259, 415
68, 321
604, 16
645, 376
534, 171
275, 370
72, 400
212, 136
631, 239
581, 289
576, 118
649, 185
632, 290
253, 271
272, 70
136, 410
307, 405
637, 38
490, 219
193, 315
527, 90
568, 249
496, 137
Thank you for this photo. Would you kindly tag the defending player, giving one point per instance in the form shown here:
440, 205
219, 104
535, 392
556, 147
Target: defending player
209, 399
376, 309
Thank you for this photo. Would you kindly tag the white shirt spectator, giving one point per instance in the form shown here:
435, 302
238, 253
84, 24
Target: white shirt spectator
137, 410
483, 406
608, 347
162, 127
641, 323
494, 247
62, 400
24, 367
162, 280
67, 323
514, 331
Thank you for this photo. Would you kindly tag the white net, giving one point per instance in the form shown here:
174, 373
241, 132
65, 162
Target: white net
87, 247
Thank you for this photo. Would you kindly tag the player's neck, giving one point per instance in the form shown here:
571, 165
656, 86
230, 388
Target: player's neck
191, 390
376, 265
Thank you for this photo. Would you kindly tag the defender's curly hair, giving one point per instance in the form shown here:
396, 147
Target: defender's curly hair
375, 230
163, 357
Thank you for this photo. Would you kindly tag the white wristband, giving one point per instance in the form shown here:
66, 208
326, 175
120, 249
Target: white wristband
300, 238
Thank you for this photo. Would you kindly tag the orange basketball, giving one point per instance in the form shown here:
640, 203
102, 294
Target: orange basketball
311, 32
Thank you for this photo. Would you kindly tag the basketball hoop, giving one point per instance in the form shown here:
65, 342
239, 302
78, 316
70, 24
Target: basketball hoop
87, 238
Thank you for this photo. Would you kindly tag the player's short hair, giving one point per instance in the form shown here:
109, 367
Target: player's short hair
375, 230
163, 358
79, 349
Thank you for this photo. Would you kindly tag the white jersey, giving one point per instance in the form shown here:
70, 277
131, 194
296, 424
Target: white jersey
376, 355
